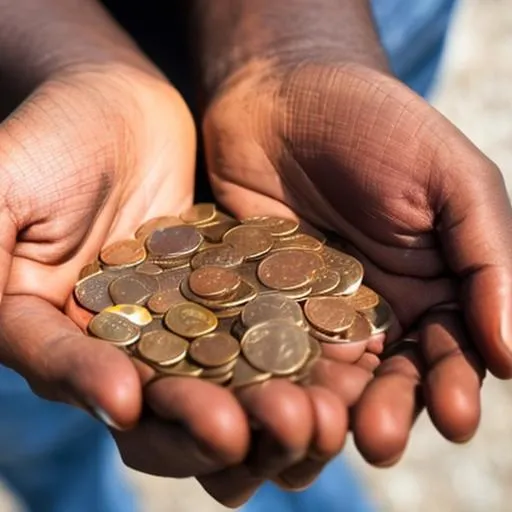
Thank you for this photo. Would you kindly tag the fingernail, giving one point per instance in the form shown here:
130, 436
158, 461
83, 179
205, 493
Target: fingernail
105, 418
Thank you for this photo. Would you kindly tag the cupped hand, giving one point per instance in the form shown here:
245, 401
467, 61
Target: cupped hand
354, 152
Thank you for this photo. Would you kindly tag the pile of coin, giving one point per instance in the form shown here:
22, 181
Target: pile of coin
232, 302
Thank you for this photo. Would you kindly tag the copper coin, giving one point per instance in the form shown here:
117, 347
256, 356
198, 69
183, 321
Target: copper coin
89, 270
184, 368
331, 315
133, 289
214, 232
219, 370
215, 349
363, 299
157, 223
271, 307
137, 315
360, 330
171, 279
213, 282
176, 241
92, 292
125, 253
324, 281
160, 302
252, 242
245, 374
190, 320
350, 270
277, 226
381, 316
114, 329
288, 270
162, 347
219, 379
298, 241
224, 256
243, 294
199, 213
149, 269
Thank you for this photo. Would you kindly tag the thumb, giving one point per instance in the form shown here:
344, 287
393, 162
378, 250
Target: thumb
60, 363
476, 232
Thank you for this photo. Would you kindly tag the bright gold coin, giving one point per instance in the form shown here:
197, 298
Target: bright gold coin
157, 223
184, 368
114, 329
350, 270
277, 226
324, 281
360, 330
137, 315
162, 348
199, 213
250, 241
273, 306
125, 253
331, 315
190, 320
380, 317
363, 299
215, 349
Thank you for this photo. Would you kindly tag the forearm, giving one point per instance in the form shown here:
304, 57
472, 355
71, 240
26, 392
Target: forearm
234, 33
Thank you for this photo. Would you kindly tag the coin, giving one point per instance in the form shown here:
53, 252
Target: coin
363, 299
298, 241
276, 346
160, 302
175, 242
243, 294
137, 315
199, 213
380, 317
162, 347
214, 232
246, 375
170, 263
156, 324
277, 226
125, 253
156, 223
171, 279
89, 270
223, 314
133, 289
288, 270
214, 282
216, 349
114, 329
252, 242
92, 292
190, 320
273, 306
350, 270
331, 315
148, 268
219, 370
325, 280
220, 379
224, 256
360, 330
184, 368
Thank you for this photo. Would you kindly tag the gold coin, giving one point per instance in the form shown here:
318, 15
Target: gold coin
327, 338
224, 256
114, 329
160, 302
324, 281
246, 375
288, 270
252, 242
190, 320
132, 288
273, 306
350, 270
331, 315
162, 348
199, 213
92, 292
184, 368
214, 282
380, 317
276, 346
89, 270
363, 299
125, 253
137, 315
174, 242
298, 241
148, 268
219, 370
360, 330
215, 349
214, 232
220, 379
157, 223
277, 226
170, 263
299, 294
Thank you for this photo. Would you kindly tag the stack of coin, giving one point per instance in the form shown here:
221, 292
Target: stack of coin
232, 302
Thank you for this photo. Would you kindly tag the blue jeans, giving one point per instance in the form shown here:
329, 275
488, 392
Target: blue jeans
59, 460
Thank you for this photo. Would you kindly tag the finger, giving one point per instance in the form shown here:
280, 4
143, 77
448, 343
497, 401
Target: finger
383, 417
369, 362
7, 243
284, 418
209, 413
60, 363
344, 352
475, 229
454, 377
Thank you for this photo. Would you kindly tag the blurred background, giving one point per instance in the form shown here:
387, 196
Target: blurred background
475, 92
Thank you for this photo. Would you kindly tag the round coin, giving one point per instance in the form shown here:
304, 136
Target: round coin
363, 299
89, 270
331, 315
160, 302
199, 213
251, 241
219, 379
184, 368
133, 288
298, 241
246, 375
171, 279
157, 223
380, 317
114, 329
360, 330
125, 253
272, 306
190, 320
215, 349
214, 232
219, 370
137, 315
214, 282
175, 242
149, 269
351, 271
162, 348
276, 346
92, 292
277, 226
224, 256
324, 281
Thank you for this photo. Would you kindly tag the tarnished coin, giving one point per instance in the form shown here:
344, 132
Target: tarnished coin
199, 213
363, 299
324, 281
223, 314
137, 315
92, 292
171, 279
160, 302
162, 348
360, 330
89, 270
251, 241
157, 324
209, 373
298, 241
190, 320
276, 346
246, 375
174, 242
184, 368
149, 269
288, 270
125, 253
350, 270
214, 232
215, 349
171, 263
380, 317
214, 282
331, 315
157, 223
133, 289
277, 226
248, 272
273, 306
114, 329
224, 256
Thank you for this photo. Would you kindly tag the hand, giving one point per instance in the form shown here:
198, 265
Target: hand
353, 151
